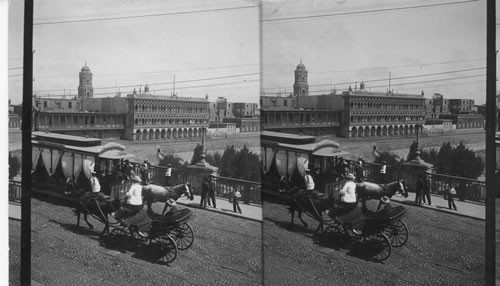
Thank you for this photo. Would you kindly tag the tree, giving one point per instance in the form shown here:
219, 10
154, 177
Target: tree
458, 161
173, 160
391, 159
196, 154
240, 164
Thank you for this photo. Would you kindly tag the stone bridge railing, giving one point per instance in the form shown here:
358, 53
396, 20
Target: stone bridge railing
250, 191
15, 191
467, 189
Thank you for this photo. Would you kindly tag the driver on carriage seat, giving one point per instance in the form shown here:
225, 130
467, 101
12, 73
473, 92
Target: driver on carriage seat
96, 187
348, 200
309, 181
133, 200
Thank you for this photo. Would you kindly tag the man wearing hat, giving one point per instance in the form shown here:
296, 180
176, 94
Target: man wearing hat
205, 185
383, 172
359, 169
309, 181
348, 199
94, 183
133, 200
211, 190
168, 174
145, 172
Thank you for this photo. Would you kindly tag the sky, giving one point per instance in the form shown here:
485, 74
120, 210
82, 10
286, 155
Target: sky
208, 47
420, 45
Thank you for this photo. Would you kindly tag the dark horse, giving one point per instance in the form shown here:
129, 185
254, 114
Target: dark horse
316, 203
99, 206
312, 204
154, 193
367, 191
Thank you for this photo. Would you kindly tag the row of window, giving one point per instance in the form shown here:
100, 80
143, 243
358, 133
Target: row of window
79, 120
164, 108
385, 118
300, 118
164, 121
377, 105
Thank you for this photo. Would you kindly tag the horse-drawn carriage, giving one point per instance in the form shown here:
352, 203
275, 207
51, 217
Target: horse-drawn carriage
164, 233
285, 157
62, 167
377, 230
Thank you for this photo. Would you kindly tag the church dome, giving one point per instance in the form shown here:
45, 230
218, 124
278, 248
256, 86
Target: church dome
301, 66
85, 68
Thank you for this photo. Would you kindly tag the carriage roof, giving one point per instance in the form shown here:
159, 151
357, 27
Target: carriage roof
66, 139
324, 148
288, 138
69, 143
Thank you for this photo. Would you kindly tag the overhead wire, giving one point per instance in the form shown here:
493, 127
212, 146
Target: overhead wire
416, 82
161, 83
383, 68
392, 78
366, 11
141, 16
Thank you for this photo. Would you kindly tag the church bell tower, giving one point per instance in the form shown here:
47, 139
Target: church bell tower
85, 89
300, 87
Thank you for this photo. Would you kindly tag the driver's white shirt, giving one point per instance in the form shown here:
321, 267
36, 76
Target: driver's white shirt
348, 192
134, 195
309, 182
94, 183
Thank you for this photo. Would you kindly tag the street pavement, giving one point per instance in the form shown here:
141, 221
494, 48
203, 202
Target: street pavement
443, 248
227, 250
248, 211
466, 208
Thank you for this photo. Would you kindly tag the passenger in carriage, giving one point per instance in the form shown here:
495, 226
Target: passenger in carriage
133, 200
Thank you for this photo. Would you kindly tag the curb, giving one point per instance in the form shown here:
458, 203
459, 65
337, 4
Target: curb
439, 210
220, 211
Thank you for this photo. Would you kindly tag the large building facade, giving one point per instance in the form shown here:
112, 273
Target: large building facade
381, 114
352, 114
153, 117
138, 116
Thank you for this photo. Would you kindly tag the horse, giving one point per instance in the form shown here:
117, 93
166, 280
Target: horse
313, 204
368, 190
152, 193
100, 207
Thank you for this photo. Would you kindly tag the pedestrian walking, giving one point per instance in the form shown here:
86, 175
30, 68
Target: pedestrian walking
451, 194
145, 172
211, 191
205, 185
236, 197
383, 173
418, 190
359, 170
168, 174
427, 189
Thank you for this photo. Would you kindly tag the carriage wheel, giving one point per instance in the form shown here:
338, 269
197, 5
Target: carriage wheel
137, 236
165, 249
117, 235
397, 233
183, 236
378, 246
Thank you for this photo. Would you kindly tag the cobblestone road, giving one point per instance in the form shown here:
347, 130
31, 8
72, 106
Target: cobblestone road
226, 251
442, 249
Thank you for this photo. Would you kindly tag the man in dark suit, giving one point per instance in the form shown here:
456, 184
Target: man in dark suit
211, 191
205, 186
